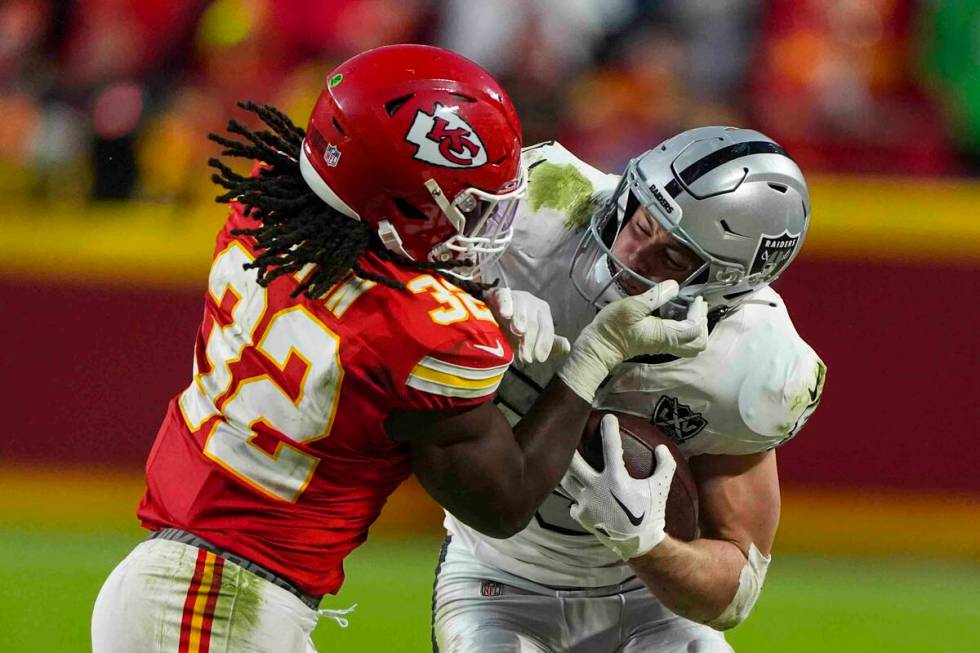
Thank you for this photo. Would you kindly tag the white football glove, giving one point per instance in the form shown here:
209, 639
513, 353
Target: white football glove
626, 328
627, 514
527, 323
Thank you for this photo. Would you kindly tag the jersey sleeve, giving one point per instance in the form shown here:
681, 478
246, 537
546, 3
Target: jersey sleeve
439, 347
778, 397
463, 370
449, 352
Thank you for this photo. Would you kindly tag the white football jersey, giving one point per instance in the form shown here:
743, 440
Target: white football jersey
751, 389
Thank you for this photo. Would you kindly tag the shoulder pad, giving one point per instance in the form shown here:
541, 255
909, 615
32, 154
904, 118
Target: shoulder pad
557, 154
561, 183
779, 394
459, 351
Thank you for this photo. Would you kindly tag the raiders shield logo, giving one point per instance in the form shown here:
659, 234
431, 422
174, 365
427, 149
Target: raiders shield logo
676, 420
444, 139
773, 253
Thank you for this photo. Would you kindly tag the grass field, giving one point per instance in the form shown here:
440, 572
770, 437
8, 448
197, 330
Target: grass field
49, 579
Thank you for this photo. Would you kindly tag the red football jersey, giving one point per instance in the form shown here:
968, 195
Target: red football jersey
277, 449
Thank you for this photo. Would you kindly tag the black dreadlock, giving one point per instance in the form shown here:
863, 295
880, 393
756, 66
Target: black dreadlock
296, 227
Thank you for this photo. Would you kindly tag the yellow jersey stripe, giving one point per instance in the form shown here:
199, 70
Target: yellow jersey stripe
454, 380
451, 391
472, 373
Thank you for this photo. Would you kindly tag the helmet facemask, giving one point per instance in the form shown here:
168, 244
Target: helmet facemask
484, 223
600, 276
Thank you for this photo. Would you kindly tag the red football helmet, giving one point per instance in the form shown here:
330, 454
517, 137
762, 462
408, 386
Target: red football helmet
424, 146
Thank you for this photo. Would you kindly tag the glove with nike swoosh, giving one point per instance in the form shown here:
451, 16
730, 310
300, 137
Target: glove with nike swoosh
626, 514
527, 323
627, 328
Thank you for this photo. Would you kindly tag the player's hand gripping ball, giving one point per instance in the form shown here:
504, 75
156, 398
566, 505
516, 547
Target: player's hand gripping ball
631, 504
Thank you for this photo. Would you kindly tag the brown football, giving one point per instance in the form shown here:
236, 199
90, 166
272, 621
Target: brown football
640, 438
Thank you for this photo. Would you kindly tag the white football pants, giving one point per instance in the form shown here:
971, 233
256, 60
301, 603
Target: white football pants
481, 609
176, 598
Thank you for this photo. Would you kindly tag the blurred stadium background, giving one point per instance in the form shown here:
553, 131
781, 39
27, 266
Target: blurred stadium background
107, 227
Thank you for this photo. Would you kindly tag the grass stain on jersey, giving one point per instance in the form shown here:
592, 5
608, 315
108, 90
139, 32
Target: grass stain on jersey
807, 399
813, 391
564, 189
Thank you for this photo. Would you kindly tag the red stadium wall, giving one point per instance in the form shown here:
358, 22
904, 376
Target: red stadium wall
102, 308
900, 408
93, 367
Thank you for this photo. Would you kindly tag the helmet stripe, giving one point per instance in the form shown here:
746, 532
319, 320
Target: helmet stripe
706, 164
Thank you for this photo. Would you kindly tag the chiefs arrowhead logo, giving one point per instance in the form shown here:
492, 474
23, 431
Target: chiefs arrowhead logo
444, 139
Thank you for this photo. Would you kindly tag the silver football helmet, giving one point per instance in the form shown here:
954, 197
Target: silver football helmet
732, 196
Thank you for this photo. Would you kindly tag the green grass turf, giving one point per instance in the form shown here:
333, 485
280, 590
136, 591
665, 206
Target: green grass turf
49, 579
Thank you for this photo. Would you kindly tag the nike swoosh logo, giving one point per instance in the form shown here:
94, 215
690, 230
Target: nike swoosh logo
814, 396
636, 521
496, 351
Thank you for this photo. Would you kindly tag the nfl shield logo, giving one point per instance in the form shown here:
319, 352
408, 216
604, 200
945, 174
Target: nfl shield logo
489, 588
331, 155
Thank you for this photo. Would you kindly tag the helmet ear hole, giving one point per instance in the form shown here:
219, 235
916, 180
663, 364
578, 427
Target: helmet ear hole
728, 230
392, 106
409, 210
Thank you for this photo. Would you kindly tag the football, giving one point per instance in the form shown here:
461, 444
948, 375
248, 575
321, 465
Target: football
640, 438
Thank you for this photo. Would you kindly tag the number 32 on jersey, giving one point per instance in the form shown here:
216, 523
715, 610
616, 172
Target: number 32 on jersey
244, 355
273, 383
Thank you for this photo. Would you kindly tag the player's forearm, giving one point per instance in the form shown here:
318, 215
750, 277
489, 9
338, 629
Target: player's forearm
695, 580
500, 493
547, 437
495, 480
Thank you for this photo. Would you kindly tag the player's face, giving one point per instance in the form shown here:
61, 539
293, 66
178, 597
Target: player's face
647, 249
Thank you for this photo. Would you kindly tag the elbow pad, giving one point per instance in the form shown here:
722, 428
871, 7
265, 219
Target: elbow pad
749, 587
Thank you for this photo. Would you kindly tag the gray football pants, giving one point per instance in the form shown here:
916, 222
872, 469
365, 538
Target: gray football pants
480, 609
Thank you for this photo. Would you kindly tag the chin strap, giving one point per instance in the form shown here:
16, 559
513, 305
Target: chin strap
677, 310
390, 238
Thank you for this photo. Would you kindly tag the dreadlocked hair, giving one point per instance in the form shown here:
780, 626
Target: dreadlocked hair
296, 228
